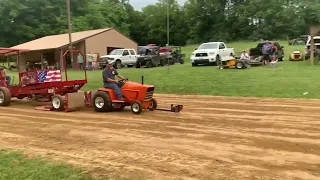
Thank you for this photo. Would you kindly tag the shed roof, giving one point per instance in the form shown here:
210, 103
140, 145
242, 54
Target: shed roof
58, 41
5, 51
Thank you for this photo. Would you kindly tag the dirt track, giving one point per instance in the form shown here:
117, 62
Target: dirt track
213, 138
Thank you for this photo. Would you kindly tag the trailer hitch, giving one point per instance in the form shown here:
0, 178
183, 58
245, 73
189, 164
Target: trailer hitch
174, 108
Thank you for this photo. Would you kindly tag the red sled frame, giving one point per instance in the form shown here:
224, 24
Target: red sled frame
46, 89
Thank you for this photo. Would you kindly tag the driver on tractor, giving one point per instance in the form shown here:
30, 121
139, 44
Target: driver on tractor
3, 73
109, 80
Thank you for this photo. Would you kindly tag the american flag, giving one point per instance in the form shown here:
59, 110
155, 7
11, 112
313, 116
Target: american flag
49, 76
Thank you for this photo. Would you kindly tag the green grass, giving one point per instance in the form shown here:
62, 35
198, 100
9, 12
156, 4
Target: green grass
14, 166
290, 79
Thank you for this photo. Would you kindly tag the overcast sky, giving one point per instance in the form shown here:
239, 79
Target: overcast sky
138, 4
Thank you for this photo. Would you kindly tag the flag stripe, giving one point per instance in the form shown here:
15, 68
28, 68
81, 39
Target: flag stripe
49, 76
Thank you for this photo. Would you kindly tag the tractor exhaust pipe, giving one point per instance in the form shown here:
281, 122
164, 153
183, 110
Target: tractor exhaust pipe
142, 80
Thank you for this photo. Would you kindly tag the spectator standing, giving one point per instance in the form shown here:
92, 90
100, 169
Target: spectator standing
266, 52
89, 60
273, 52
80, 61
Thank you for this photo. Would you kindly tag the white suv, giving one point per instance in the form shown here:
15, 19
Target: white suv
121, 57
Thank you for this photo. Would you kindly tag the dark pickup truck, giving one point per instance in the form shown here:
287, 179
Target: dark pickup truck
257, 51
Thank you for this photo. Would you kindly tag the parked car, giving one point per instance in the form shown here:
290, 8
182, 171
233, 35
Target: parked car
210, 53
256, 52
120, 57
149, 56
307, 51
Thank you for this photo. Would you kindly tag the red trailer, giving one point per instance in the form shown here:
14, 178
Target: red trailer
45, 85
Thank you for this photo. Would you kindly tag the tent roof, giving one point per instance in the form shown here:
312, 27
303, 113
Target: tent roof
58, 41
4, 51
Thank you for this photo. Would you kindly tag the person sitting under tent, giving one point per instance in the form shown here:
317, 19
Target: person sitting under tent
3, 74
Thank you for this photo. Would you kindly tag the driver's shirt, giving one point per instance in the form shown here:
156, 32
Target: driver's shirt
109, 73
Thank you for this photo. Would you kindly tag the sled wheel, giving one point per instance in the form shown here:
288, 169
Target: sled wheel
153, 104
20, 97
57, 102
136, 107
102, 102
5, 96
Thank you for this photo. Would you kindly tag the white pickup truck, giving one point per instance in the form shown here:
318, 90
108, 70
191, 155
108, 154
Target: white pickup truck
121, 57
210, 52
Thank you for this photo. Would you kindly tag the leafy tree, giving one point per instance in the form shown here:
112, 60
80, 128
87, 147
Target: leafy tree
196, 21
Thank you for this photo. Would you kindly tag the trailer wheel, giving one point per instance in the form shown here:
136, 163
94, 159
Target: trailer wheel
102, 102
136, 107
57, 102
153, 105
5, 96
181, 61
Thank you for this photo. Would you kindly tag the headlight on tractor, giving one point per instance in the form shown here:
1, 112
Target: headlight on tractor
211, 53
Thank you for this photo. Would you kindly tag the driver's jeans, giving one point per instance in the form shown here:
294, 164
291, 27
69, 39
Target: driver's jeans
116, 87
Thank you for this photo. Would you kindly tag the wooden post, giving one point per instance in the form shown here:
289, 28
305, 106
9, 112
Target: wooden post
41, 59
69, 30
61, 64
312, 51
8, 61
18, 63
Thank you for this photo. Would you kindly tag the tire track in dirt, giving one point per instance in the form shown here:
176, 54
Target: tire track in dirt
213, 138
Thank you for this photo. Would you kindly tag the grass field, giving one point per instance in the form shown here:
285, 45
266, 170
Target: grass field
15, 166
290, 79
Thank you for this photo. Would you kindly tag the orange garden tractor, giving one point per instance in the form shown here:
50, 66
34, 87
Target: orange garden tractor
137, 95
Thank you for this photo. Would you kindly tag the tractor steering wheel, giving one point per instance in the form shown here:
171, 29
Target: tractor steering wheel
123, 80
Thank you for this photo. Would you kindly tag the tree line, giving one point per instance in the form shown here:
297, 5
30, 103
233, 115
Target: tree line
196, 21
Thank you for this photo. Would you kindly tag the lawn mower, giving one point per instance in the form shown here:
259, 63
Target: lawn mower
43, 85
233, 62
137, 95
296, 56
